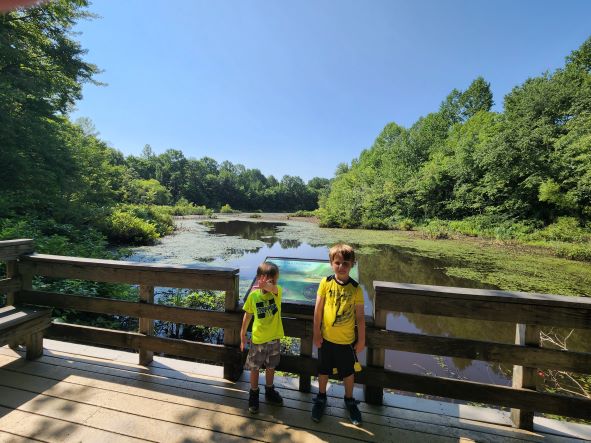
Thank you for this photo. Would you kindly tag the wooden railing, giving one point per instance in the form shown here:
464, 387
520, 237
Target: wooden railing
527, 311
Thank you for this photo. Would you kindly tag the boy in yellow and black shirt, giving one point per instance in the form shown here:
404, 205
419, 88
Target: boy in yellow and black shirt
339, 305
264, 304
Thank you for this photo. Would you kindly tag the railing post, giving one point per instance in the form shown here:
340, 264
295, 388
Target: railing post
305, 351
376, 357
525, 377
26, 284
146, 325
11, 272
233, 366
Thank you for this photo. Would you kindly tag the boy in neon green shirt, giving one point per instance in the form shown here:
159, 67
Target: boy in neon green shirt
264, 304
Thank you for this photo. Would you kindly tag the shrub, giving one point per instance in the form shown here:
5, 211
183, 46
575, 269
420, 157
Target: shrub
184, 207
159, 216
302, 213
436, 229
226, 209
374, 223
575, 252
124, 227
254, 216
406, 224
566, 229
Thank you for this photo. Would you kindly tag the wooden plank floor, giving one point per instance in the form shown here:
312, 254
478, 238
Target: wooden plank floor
90, 394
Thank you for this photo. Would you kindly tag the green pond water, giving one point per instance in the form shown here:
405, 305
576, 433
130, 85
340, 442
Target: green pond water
244, 243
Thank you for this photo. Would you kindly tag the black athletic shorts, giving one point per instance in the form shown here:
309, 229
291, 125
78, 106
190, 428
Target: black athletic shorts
332, 356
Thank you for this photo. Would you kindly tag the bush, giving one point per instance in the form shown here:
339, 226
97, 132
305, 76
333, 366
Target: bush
436, 229
51, 237
159, 216
575, 252
184, 207
254, 216
406, 224
565, 229
124, 227
302, 213
374, 223
226, 209
492, 226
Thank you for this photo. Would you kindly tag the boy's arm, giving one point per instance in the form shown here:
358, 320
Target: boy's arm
245, 323
318, 313
360, 318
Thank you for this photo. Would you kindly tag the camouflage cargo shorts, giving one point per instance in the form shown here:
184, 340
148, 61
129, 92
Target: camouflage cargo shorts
265, 354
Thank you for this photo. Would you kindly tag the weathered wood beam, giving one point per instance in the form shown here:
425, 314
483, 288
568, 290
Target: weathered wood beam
114, 271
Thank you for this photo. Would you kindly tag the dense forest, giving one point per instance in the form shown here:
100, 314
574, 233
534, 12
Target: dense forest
525, 171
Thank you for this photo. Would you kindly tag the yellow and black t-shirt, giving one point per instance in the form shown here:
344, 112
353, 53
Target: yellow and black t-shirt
338, 320
266, 309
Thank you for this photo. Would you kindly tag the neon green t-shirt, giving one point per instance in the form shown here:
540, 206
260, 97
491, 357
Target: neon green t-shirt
266, 309
338, 320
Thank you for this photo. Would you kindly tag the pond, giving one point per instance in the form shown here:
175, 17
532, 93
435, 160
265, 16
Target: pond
244, 244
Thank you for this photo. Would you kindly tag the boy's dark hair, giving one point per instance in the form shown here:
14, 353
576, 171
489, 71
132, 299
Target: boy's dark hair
344, 250
268, 268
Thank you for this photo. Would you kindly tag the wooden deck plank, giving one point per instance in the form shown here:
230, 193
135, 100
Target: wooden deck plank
409, 418
103, 418
426, 428
175, 381
146, 400
22, 426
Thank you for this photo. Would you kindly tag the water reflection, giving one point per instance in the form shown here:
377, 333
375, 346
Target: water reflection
262, 231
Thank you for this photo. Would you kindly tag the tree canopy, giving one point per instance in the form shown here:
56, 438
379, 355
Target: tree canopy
529, 162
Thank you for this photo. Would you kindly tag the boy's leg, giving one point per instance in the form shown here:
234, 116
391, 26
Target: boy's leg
254, 379
272, 360
320, 400
269, 375
350, 402
271, 394
253, 364
349, 382
322, 383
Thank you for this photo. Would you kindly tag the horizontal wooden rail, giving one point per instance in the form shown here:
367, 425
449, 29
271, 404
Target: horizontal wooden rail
114, 271
10, 285
13, 249
133, 340
481, 304
479, 350
459, 389
131, 309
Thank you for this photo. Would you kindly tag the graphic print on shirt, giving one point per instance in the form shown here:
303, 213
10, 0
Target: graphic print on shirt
343, 303
266, 307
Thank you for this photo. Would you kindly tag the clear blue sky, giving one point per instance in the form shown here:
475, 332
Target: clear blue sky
299, 87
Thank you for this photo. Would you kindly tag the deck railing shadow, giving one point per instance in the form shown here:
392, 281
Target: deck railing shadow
528, 311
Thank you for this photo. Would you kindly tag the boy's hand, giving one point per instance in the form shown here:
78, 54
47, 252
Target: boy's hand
359, 346
318, 340
243, 342
266, 284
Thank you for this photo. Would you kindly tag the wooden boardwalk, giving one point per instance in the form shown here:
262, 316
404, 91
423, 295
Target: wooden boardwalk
77, 393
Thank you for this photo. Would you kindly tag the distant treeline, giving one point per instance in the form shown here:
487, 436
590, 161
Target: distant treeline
531, 162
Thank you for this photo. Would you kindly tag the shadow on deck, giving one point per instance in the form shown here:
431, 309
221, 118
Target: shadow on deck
85, 393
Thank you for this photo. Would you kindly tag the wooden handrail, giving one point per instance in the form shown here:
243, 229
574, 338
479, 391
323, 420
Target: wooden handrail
482, 304
528, 311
